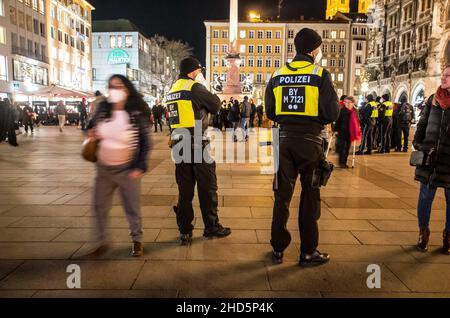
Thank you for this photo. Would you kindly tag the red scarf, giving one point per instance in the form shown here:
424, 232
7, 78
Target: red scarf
355, 127
443, 98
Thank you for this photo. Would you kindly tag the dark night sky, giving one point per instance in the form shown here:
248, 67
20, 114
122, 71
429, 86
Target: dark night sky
183, 19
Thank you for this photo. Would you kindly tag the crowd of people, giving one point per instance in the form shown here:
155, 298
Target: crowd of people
14, 117
380, 125
385, 125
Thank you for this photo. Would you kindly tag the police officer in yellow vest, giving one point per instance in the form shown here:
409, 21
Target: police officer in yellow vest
300, 97
189, 104
385, 113
369, 117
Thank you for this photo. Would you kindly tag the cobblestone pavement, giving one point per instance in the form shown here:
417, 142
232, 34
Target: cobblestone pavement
368, 217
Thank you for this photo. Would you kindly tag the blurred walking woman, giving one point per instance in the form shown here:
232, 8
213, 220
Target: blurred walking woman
433, 138
121, 124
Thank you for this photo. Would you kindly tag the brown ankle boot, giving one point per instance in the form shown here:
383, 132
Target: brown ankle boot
446, 247
424, 238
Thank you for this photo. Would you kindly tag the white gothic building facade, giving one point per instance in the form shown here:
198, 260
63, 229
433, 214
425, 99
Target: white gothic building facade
409, 44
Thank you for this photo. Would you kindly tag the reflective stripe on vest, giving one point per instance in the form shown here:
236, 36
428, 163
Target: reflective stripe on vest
374, 106
179, 105
296, 89
389, 109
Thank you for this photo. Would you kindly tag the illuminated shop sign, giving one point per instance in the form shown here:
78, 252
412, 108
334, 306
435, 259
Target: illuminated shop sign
118, 56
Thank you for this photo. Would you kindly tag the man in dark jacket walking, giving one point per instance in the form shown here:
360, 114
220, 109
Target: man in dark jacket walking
27, 115
7, 123
157, 112
260, 113
433, 138
82, 110
405, 117
246, 112
302, 112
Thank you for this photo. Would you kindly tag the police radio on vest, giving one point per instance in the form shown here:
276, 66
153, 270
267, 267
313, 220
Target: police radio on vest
299, 79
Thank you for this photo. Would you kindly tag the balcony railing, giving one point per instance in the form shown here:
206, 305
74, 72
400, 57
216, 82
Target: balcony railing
29, 54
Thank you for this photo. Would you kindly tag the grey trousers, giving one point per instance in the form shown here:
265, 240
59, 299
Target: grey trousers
108, 179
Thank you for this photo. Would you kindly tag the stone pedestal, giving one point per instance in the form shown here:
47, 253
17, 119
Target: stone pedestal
233, 85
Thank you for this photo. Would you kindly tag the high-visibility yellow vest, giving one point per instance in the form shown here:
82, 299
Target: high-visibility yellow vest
389, 109
374, 106
179, 105
296, 89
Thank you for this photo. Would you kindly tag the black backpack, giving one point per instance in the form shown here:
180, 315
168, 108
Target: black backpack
406, 115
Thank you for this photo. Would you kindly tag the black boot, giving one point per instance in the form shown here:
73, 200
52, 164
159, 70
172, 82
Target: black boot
446, 246
277, 257
314, 259
219, 231
424, 238
186, 239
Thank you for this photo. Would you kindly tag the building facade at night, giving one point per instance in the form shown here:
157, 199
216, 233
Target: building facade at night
343, 6
69, 41
44, 42
266, 46
119, 47
408, 47
24, 63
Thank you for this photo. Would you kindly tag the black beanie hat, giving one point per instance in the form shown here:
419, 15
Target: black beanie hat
370, 98
189, 65
307, 40
385, 97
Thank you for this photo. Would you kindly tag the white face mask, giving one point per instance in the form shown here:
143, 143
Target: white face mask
318, 57
117, 96
200, 79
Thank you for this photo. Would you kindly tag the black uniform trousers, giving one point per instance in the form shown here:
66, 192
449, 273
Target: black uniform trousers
367, 138
297, 156
187, 176
386, 134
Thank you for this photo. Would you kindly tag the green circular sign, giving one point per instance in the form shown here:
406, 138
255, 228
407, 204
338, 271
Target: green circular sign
118, 56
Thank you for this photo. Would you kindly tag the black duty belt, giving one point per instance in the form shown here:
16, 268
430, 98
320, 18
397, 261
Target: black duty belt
307, 137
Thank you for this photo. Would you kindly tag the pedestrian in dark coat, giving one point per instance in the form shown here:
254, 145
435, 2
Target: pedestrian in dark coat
433, 138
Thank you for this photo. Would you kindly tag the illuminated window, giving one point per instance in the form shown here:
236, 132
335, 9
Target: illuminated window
2, 35
112, 41
3, 68
242, 34
128, 41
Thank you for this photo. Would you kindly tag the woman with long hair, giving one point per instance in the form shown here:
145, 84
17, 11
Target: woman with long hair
121, 125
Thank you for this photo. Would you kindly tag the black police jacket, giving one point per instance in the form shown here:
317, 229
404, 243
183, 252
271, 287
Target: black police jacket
204, 102
328, 106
